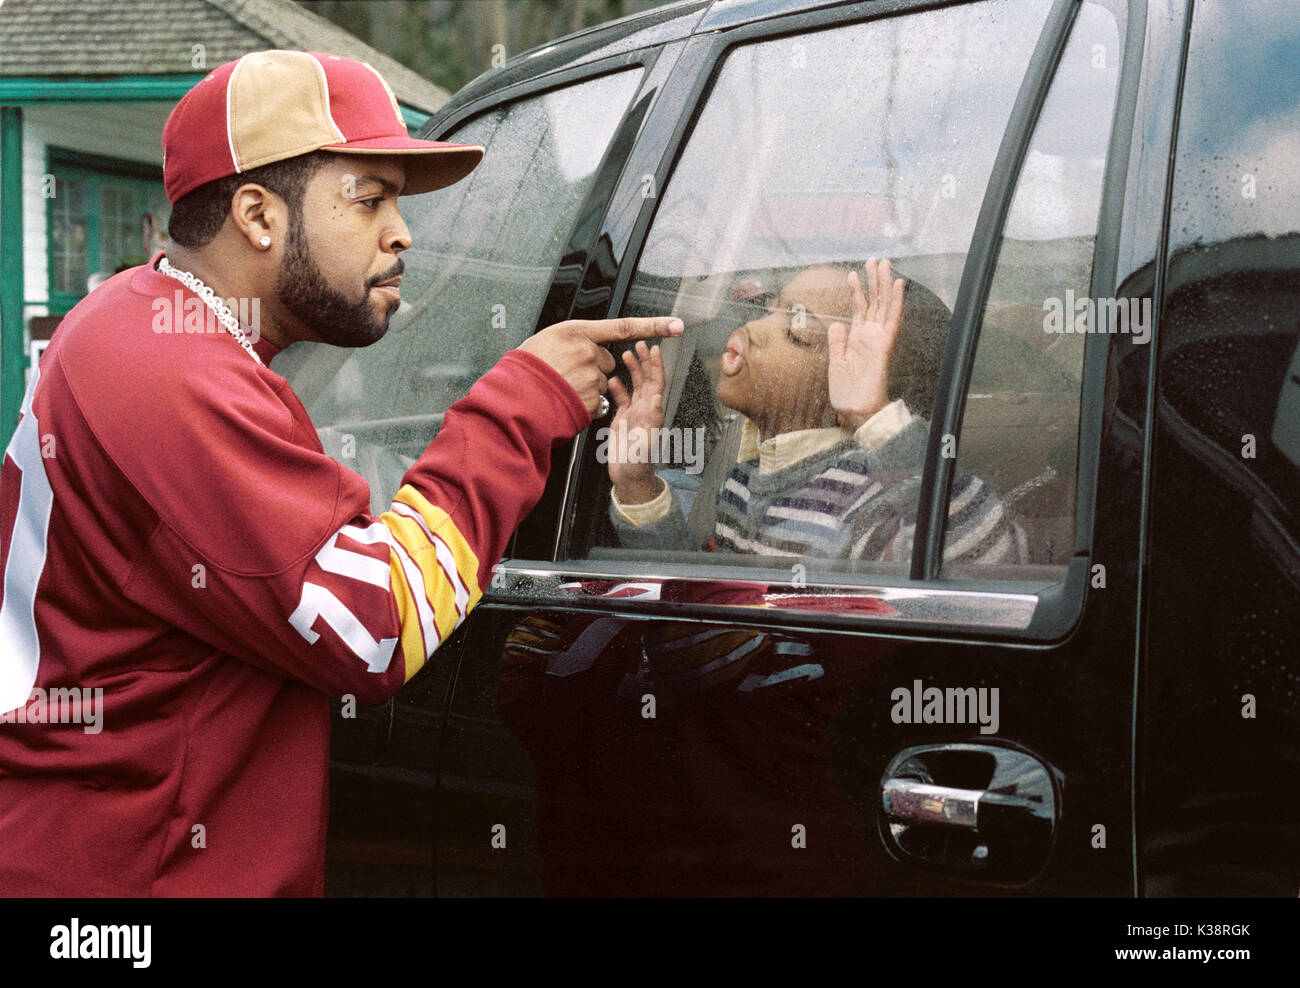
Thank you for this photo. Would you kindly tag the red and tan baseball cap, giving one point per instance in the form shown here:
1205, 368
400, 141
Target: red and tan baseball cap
272, 105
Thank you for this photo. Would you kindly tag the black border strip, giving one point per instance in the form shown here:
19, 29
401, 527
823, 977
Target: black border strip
968, 309
1148, 452
1105, 262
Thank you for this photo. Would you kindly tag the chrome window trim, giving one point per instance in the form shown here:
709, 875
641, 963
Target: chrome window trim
912, 605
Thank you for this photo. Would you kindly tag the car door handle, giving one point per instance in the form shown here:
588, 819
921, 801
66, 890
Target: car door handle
908, 799
1002, 832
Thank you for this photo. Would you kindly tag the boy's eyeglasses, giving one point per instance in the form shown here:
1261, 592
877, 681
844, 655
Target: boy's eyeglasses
812, 335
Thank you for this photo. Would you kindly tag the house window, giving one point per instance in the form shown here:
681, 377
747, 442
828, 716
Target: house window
104, 215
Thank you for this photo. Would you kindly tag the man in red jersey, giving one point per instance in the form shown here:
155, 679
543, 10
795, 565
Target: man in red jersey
187, 577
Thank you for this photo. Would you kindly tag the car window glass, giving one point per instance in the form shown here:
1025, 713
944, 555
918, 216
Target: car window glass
476, 277
1019, 430
1229, 377
1222, 523
812, 154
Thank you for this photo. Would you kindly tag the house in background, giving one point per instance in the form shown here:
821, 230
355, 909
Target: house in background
85, 87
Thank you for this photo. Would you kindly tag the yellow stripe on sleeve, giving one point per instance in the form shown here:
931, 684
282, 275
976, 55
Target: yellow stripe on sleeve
441, 591
412, 637
446, 563
438, 523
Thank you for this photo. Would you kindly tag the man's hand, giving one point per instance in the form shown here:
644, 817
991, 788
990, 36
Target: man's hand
574, 348
635, 483
859, 354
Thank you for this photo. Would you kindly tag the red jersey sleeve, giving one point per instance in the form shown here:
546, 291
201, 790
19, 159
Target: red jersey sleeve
265, 546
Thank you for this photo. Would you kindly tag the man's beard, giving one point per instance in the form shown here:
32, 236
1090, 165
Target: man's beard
302, 290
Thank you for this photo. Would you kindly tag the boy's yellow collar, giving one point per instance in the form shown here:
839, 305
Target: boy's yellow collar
782, 450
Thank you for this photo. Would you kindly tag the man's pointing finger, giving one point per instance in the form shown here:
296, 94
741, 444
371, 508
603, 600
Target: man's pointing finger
627, 328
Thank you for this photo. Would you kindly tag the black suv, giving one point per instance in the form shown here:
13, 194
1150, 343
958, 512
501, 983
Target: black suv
1104, 196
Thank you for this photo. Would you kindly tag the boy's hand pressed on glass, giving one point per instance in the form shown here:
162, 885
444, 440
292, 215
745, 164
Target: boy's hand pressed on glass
859, 354
636, 483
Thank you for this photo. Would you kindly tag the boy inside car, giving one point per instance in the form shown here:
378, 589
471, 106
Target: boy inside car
836, 384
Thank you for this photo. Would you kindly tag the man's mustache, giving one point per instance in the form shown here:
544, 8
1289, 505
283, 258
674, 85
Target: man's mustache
388, 275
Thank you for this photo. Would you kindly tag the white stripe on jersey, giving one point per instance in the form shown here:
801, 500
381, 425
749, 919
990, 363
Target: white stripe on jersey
356, 565
368, 569
316, 602
20, 647
415, 580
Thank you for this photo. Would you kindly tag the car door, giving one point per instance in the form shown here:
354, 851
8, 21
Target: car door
490, 257
475, 755
1219, 773
940, 707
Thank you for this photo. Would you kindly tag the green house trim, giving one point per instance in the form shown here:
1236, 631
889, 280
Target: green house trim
414, 119
19, 90
55, 155
12, 359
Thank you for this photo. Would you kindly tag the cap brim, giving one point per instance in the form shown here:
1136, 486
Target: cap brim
429, 164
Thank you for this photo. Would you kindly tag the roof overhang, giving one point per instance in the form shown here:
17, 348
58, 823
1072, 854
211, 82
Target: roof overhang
27, 90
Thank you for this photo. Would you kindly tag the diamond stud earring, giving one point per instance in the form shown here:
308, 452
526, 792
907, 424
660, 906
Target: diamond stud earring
265, 241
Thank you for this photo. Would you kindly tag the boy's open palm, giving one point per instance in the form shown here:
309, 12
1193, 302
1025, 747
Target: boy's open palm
860, 353
642, 409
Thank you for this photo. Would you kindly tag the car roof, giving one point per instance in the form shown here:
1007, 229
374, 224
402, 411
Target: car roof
657, 26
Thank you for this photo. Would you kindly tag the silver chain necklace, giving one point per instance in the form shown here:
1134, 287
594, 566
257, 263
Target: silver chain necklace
209, 297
